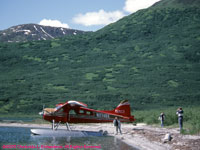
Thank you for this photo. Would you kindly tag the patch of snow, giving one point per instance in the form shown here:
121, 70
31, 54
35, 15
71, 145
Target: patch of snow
43, 38
46, 33
13, 29
33, 34
74, 33
62, 30
26, 31
35, 28
4, 33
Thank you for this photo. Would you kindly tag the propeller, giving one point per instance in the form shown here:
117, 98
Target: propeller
42, 112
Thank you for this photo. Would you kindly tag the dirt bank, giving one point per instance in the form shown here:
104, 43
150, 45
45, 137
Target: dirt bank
140, 136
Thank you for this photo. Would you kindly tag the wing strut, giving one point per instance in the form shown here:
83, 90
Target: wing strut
68, 127
55, 125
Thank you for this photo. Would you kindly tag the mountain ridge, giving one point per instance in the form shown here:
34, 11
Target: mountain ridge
33, 32
177, 3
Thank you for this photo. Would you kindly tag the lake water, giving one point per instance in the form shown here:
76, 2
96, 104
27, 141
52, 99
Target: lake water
21, 138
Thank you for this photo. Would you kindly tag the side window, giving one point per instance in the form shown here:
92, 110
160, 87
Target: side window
81, 111
72, 112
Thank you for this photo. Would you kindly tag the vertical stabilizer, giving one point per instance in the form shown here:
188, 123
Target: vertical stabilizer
123, 108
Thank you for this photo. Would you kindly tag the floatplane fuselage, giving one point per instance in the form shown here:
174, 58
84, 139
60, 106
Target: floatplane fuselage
78, 112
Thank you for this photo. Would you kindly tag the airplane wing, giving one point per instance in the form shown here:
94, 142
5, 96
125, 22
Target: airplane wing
70, 104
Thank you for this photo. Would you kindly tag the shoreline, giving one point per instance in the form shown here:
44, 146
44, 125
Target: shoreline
141, 136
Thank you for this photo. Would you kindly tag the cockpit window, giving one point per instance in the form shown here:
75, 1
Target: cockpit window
58, 107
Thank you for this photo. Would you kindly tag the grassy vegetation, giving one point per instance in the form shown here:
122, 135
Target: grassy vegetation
191, 123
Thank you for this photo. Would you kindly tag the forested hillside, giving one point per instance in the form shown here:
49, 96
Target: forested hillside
151, 58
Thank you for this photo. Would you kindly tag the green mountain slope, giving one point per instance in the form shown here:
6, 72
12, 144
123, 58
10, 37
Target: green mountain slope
151, 57
177, 3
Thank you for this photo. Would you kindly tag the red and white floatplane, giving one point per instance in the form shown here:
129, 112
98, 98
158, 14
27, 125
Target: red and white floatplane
78, 112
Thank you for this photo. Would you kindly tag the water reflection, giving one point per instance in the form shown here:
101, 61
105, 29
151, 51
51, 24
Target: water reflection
22, 136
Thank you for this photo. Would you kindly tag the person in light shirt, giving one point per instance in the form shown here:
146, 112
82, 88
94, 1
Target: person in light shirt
162, 118
117, 124
179, 112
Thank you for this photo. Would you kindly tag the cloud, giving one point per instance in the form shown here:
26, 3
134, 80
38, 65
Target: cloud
53, 23
97, 18
132, 6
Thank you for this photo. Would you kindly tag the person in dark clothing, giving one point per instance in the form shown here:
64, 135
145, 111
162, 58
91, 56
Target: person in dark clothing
180, 117
117, 124
162, 118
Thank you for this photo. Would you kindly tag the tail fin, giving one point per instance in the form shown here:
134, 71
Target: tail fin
123, 108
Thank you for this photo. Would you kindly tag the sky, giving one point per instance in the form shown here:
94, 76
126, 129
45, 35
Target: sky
86, 15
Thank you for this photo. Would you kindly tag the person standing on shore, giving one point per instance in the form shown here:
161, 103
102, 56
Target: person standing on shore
117, 124
179, 112
162, 118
